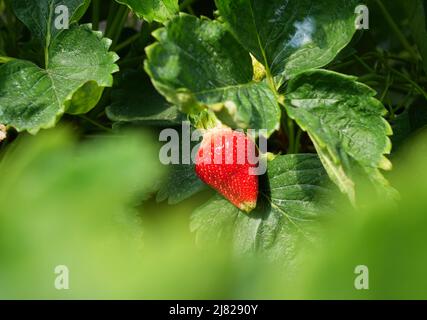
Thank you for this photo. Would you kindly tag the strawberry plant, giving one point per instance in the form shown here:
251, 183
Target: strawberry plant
330, 96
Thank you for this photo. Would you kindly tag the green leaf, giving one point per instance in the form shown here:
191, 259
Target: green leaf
182, 181
198, 62
134, 99
32, 98
293, 200
181, 184
153, 10
85, 99
291, 36
39, 16
345, 123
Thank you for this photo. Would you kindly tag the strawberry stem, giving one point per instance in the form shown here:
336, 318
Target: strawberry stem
205, 119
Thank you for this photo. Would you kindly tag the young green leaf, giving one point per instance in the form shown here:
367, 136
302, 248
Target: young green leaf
291, 36
32, 98
153, 10
294, 199
345, 123
198, 62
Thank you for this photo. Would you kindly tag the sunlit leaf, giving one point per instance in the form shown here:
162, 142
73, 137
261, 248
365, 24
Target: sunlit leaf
346, 124
32, 98
40, 16
291, 36
153, 10
197, 61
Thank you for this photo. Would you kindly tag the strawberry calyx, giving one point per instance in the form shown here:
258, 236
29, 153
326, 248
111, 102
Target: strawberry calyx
205, 120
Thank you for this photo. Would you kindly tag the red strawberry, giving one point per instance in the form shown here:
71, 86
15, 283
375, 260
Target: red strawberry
222, 162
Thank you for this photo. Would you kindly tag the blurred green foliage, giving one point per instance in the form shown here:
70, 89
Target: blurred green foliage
390, 239
70, 198
63, 204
